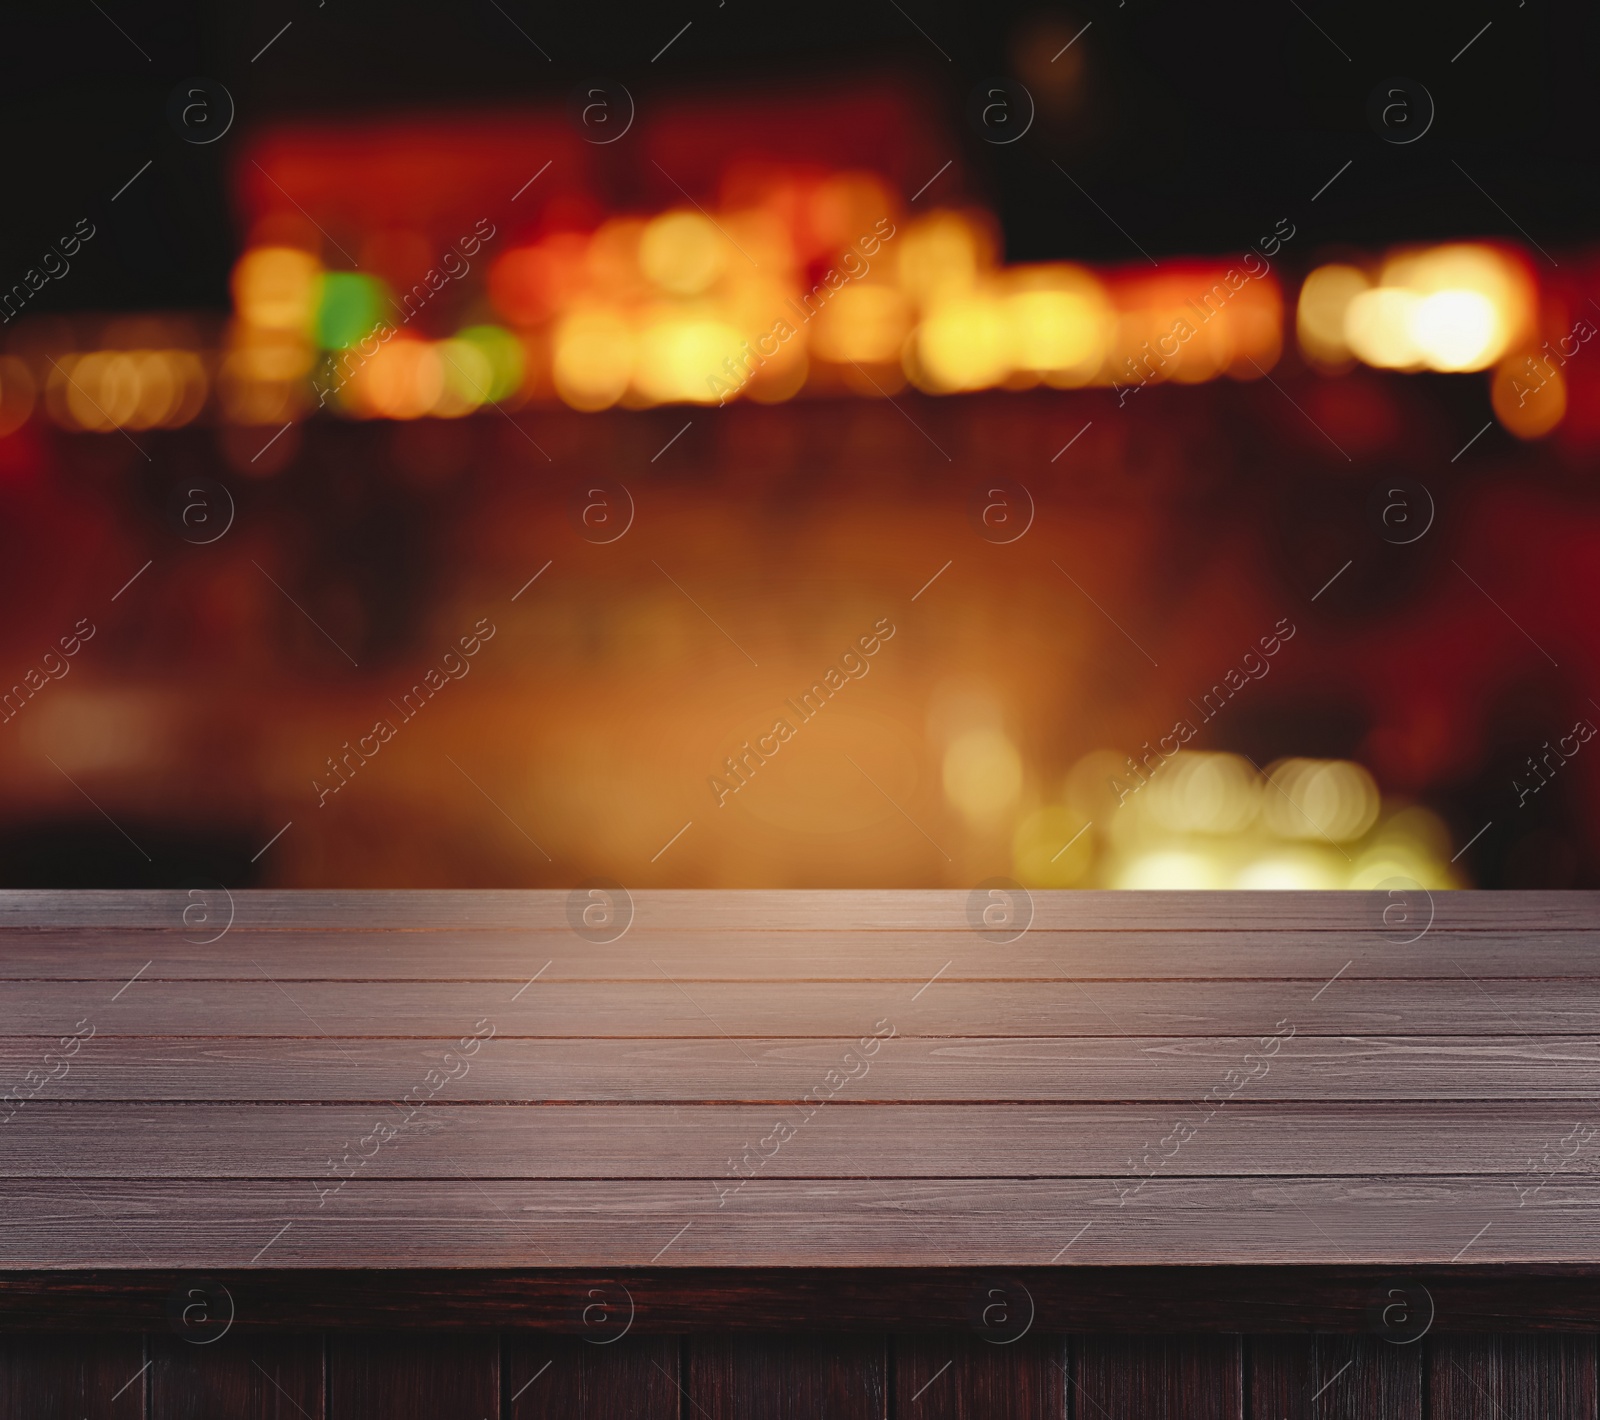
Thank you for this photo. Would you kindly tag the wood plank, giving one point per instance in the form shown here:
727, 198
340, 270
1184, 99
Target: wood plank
739, 1010
865, 1222
1512, 1377
1264, 1300
1324, 1377
960, 1377
223, 1121
400, 1376
571, 1378
724, 1142
1482, 1067
68, 1377
787, 1377
241, 1376
861, 909
1160, 1378
815, 954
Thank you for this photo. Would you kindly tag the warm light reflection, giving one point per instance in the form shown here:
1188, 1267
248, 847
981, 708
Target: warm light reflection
793, 283
592, 360
682, 252
939, 256
1290, 872
405, 379
1207, 820
678, 357
126, 389
275, 288
1457, 330
1325, 299
1058, 324
1170, 871
1331, 800
1206, 793
864, 323
1449, 308
1529, 394
263, 377
962, 344
1377, 324
982, 774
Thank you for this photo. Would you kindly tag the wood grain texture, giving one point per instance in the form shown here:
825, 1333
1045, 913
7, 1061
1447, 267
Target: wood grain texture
1325, 1377
742, 1010
816, 953
237, 1377
722, 1141
570, 1378
1311, 1068
864, 1222
787, 1377
73, 1377
855, 909
508, 1108
1159, 1378
1512, 1377
400, 1376
955, 1376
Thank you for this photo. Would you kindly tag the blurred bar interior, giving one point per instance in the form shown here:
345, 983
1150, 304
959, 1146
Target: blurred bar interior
722, 508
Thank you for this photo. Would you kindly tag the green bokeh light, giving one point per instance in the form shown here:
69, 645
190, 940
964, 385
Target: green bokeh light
348, 307
503, 351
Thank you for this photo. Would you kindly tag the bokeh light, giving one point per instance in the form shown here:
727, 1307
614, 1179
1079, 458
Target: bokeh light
1325, 298
963, 343
1529, 394
277, 288
1450, 308
1211, 820
679, 354
592, 363
682, 252
1059, 324
405, 379
348, 306
1333, 800
982, 774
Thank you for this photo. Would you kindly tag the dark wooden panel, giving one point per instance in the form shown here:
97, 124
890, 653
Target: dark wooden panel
1327, 1377
450, 1010
809, 954
400, 1376
1512, 1377
866, 909
1156, 1300
711, 1141
72, 1377
1159, 1377
1133, 1068
237, 1377
573, 1378
953, 1376
787, 1377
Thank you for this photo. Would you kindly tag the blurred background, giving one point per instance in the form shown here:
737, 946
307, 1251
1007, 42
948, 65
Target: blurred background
1114, 445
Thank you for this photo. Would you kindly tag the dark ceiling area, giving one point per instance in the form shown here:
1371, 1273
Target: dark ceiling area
1199, 124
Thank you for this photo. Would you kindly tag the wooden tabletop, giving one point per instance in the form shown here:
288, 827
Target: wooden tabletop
803, 1079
